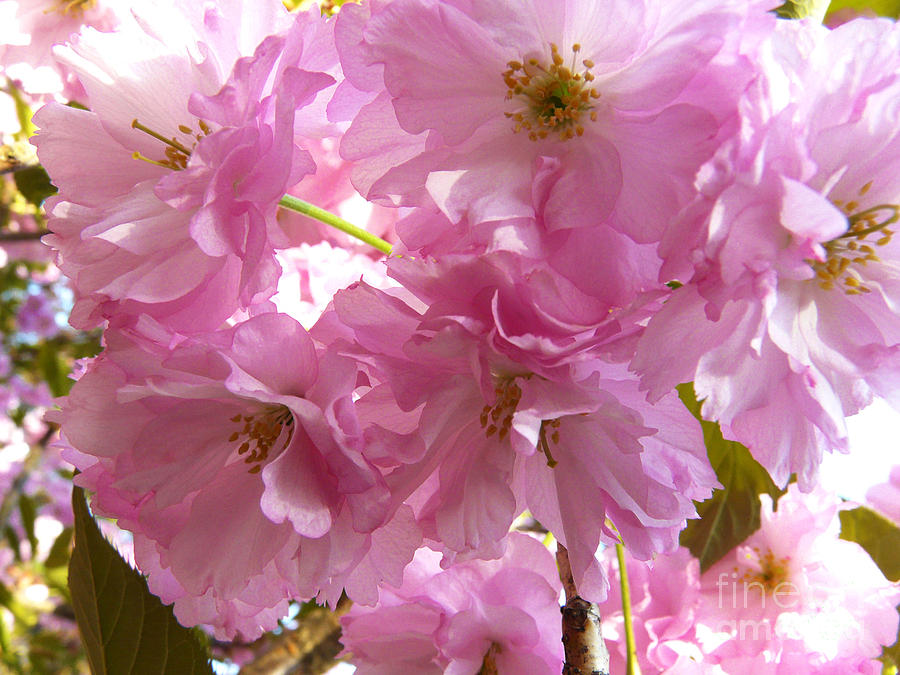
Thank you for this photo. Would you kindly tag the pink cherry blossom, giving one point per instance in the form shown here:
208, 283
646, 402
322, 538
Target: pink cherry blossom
246, 431
465, 97
476, 436
193, 226
502, 613
789, 322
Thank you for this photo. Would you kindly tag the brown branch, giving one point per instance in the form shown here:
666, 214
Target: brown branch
582, 639
309, 649
22, 236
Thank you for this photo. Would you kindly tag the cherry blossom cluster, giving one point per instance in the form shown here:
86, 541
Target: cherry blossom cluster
589, 203
792, 598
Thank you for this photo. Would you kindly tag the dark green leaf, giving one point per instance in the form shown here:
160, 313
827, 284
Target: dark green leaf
28, 511
125, 629
732, 513
875, 533
801, 9
34, 184
889, 8
59, 552
54, 371
13, 540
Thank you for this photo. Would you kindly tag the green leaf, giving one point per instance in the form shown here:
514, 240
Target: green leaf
59, 551
53, 369
125, 629
732, 513
23, 113
801, 9
879, 536
34, 184
889, 8
13, 540
28, 511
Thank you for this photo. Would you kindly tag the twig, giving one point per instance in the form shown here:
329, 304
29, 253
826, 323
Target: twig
582, 639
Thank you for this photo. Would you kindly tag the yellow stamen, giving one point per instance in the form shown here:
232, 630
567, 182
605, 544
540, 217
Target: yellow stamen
137, 155
846, 254
71, 8
260, 432
168, 141
554, 97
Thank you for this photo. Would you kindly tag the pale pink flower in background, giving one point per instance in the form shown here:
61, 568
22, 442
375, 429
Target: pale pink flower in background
171, 235
501, 612
475, 93
665, 597
791, 599
797, 594
37, 314
311, 275
30, 28
790, 320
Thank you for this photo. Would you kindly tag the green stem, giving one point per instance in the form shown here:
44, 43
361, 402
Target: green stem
329, 218
632, 667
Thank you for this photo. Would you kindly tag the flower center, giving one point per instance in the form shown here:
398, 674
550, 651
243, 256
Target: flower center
489, 664
259, 432
71, 8
176, 154
498, 417
771, 571
553, 97
855, 248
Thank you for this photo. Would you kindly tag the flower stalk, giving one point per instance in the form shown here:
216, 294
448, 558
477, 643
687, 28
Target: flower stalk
334, 221
631, 667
